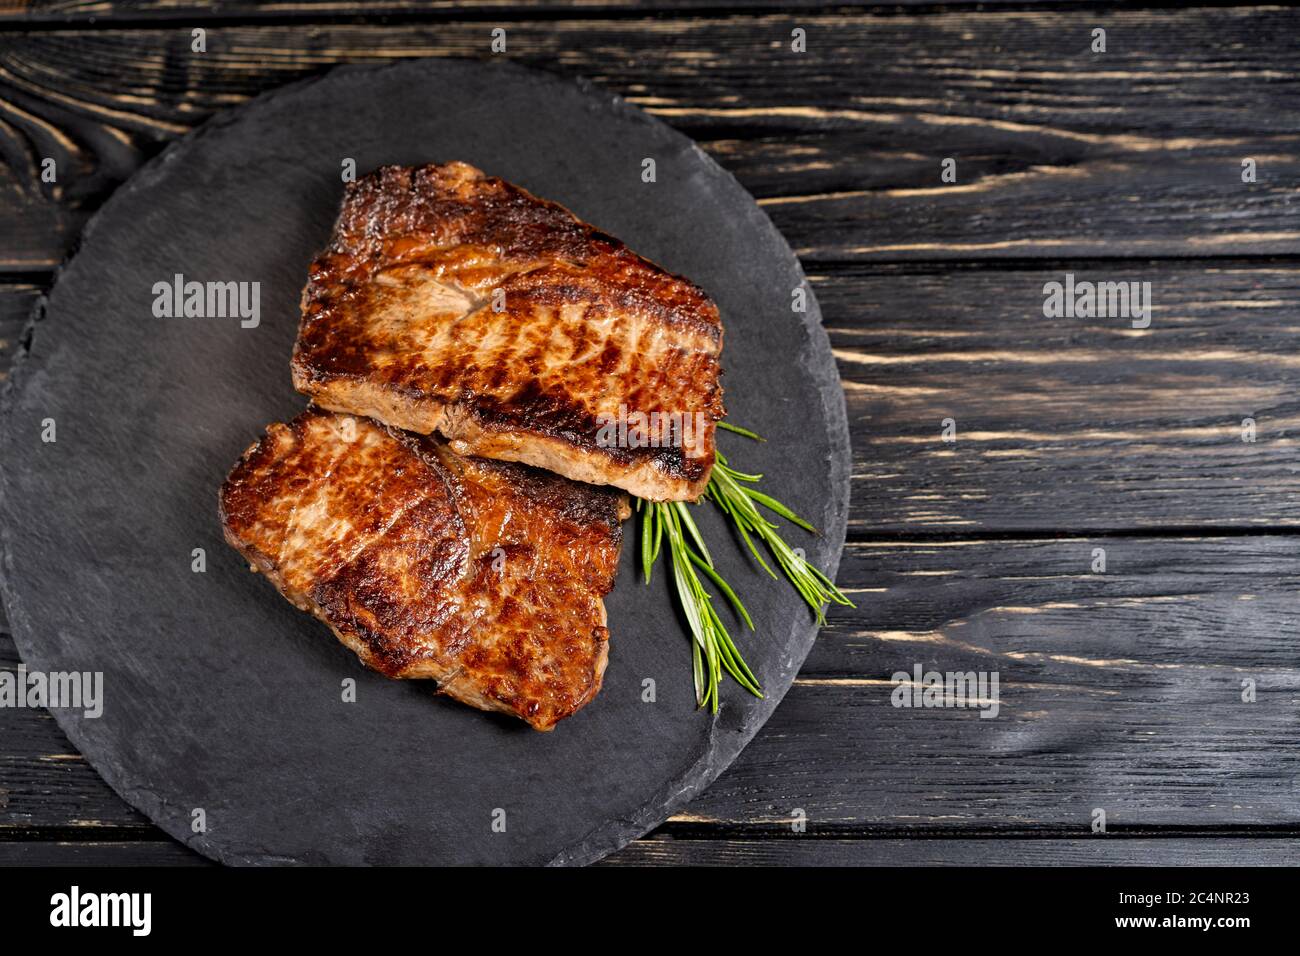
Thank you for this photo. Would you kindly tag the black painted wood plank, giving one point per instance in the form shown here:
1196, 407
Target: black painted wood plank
1106, 851
1094, 851
1192, 609
1059, 151
1068, 423
1119, 690
94, 853
48, 12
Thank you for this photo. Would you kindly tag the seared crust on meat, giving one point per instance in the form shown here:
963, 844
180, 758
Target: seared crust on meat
485, 576
454, 302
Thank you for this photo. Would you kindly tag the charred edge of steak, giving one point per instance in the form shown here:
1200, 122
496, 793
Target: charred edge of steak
546, 419
576, 502
458, 204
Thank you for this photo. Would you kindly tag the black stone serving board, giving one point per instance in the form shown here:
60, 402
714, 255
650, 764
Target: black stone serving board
220, 696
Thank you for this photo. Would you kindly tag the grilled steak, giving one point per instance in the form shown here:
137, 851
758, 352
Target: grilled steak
485, 576
453, 302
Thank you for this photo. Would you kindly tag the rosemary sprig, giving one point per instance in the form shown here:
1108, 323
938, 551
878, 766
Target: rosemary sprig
733, 492
712, 647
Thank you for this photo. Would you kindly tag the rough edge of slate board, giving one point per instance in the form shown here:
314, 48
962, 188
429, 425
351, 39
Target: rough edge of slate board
821, 367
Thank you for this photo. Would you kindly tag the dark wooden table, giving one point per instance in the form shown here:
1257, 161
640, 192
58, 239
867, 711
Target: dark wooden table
1120, 689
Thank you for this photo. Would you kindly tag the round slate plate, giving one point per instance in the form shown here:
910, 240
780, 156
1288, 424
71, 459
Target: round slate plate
217, 694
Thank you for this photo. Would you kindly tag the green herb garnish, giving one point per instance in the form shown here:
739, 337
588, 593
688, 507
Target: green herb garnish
712, 647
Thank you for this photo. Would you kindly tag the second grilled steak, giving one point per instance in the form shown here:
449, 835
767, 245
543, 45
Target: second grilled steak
454, 302
485, 576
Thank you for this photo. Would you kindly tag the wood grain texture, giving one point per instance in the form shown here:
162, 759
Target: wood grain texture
1096, 851
807, 851
1068, 423
97, 853
1119, 690
39, 12
1059, 151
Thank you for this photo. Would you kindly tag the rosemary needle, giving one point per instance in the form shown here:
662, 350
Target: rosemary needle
740, 431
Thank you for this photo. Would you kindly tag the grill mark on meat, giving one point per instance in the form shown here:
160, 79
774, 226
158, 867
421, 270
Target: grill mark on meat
389, 539
304, 488
398, 323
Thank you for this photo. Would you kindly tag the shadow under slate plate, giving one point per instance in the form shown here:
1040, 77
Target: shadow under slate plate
217, 694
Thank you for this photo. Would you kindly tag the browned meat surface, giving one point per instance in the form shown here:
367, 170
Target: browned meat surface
453, 302
485, 576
